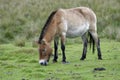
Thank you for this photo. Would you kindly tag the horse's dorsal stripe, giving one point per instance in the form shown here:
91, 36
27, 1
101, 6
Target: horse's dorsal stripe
46, 26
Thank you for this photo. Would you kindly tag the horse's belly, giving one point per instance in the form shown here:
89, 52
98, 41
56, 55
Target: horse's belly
75, 31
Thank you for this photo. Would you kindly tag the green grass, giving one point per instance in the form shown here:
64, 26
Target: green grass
21, 63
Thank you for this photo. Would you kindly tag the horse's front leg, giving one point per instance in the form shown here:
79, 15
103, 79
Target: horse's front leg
55, 50
63, 37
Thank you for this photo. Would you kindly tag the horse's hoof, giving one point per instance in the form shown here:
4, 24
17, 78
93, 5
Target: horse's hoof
82, 58
99, 58
54, 61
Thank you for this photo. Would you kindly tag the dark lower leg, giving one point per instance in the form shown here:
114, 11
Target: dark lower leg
97, 41
83, 54
63, 52
84, 49
99, 50
55, 51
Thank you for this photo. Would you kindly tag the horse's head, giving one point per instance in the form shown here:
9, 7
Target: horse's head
45, 52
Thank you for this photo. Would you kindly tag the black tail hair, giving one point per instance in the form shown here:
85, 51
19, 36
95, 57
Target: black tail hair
92, 42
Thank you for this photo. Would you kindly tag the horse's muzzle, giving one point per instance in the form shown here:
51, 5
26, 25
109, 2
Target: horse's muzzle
43, 62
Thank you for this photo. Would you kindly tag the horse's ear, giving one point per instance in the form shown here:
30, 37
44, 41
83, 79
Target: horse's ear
43, 42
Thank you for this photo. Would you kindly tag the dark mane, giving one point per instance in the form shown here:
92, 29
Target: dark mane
45, 26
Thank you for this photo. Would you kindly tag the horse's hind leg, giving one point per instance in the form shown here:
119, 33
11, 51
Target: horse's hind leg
85, 41
97, 41
55, 50
99, 50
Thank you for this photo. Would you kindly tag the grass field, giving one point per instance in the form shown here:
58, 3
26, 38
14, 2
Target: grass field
21, 63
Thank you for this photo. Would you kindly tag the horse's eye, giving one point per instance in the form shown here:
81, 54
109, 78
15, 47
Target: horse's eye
44, 51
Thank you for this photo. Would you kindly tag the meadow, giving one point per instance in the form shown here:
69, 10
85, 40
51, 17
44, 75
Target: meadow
21, 63
20, 26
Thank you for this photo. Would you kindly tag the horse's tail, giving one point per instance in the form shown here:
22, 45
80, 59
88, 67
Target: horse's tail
92, 42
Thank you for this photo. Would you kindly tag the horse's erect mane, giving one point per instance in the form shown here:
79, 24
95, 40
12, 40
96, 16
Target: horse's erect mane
46, 26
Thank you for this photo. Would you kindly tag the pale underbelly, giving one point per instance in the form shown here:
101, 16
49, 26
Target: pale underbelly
77, 31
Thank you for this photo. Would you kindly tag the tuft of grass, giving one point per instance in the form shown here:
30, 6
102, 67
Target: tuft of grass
35, 42
111, 33
118, 34
20, 42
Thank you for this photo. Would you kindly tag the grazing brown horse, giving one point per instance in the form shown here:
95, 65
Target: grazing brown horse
62, 23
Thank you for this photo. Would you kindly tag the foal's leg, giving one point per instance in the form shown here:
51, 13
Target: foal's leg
85, 41
97, 41
55, 50
63, 48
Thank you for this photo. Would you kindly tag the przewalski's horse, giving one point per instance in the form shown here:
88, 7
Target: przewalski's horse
71, 23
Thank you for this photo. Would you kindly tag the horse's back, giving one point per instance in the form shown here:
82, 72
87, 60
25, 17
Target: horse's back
80, 12
76, 21
90, 16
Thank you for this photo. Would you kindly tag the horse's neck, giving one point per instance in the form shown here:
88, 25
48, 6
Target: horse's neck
50, 33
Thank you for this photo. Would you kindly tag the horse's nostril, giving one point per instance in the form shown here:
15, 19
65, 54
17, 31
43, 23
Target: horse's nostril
41, 63
45, 64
